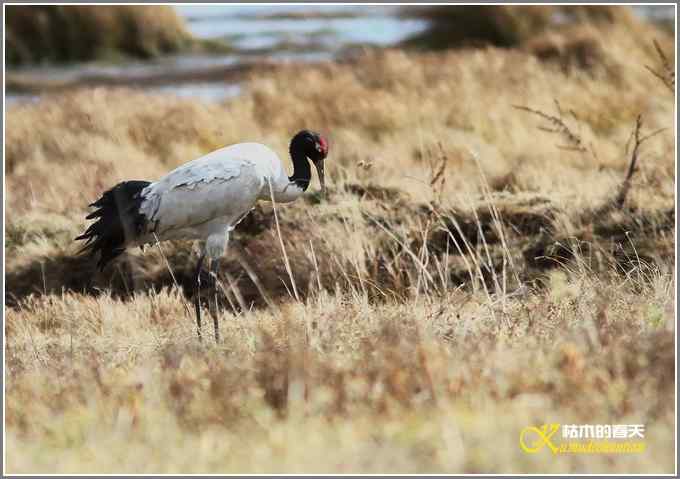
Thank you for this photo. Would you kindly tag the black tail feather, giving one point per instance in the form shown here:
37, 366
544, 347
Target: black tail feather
119, 221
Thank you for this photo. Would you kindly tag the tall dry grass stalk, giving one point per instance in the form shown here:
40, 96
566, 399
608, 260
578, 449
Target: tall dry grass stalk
667, 73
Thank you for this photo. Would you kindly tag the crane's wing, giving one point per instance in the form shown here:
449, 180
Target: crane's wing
201, 191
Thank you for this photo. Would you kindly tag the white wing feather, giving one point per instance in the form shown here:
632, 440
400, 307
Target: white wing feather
218, 188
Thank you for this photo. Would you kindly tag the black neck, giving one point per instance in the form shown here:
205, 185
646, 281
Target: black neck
302, 173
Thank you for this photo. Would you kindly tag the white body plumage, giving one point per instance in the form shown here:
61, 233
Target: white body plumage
205, 198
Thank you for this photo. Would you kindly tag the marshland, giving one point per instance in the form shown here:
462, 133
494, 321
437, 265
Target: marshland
495, 250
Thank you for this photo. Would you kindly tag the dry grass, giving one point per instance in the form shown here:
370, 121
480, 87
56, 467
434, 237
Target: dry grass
514, 25
98, 384
76, 32
460, 282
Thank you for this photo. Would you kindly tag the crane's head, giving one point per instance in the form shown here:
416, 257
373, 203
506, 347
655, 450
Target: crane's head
315, 148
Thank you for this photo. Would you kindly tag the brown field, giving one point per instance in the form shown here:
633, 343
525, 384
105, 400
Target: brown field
468, 275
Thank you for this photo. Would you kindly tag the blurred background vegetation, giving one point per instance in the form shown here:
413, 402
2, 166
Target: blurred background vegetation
203, 51
61, 33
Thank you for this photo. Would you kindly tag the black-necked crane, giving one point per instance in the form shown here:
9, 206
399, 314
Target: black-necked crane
201, 200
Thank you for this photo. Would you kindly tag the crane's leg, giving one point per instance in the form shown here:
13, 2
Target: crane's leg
215, 245
197, 296
214, 267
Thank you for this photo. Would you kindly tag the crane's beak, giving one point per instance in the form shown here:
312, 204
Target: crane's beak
322, 180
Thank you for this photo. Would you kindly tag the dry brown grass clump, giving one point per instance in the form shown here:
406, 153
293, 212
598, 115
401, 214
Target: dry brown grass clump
568, 35
337, 384
75, 32
473, 25
467, 275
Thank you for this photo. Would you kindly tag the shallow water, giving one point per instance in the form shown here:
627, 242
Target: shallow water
328, 28
257, 33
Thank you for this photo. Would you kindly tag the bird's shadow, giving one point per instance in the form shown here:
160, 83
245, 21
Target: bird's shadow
71, 272
121, 279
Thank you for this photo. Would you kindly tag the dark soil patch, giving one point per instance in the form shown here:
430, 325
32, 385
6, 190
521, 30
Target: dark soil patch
625, 239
